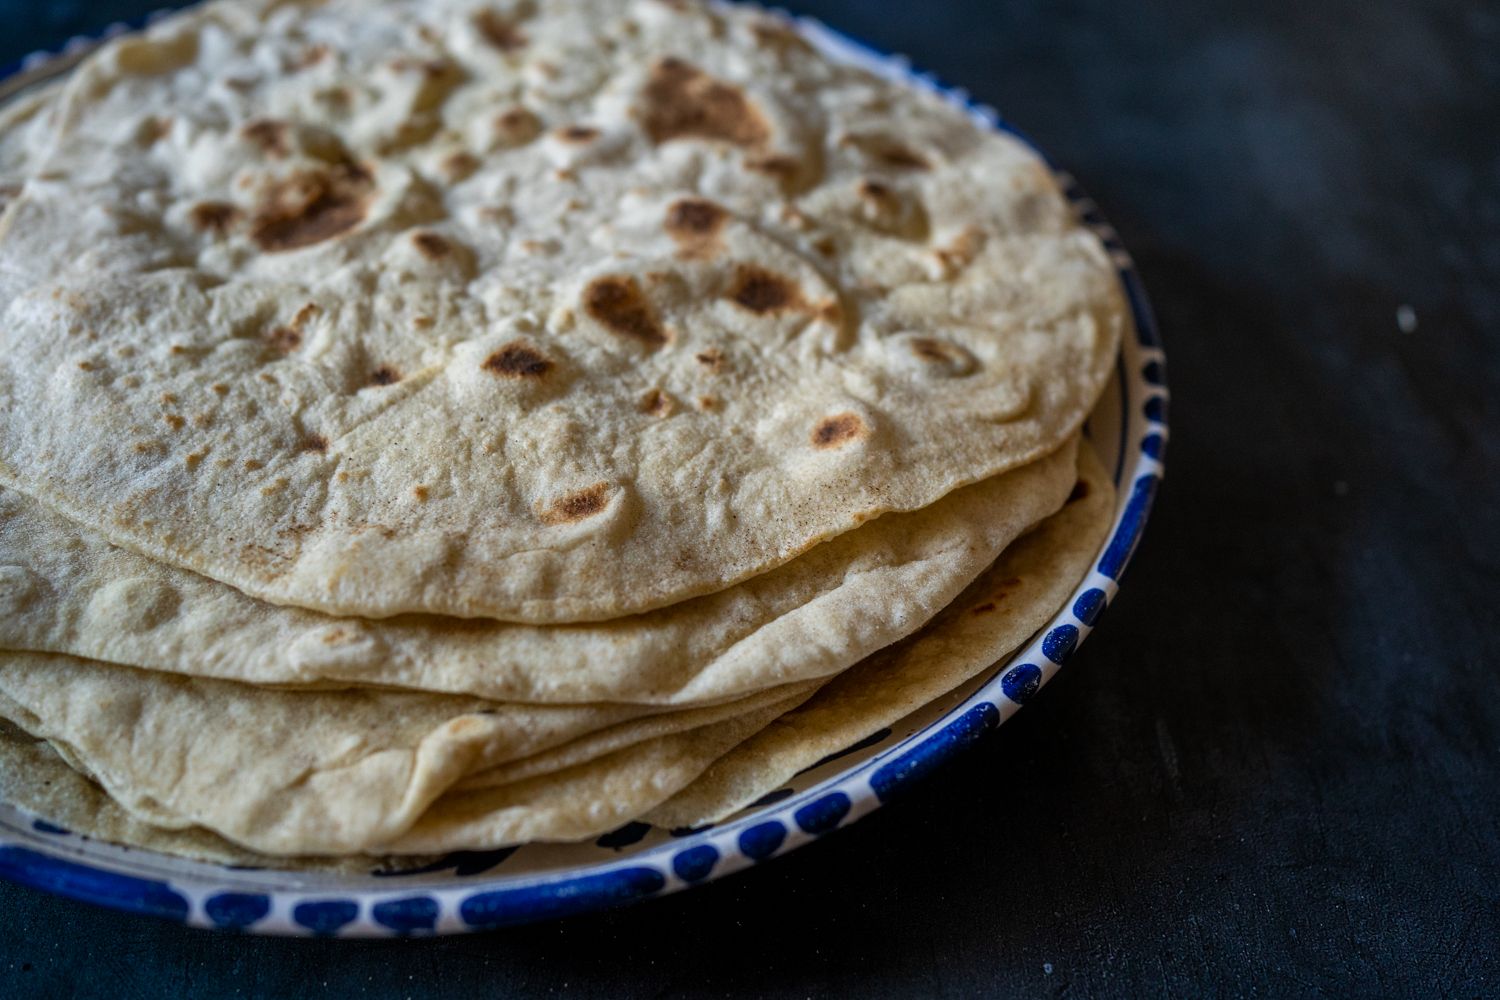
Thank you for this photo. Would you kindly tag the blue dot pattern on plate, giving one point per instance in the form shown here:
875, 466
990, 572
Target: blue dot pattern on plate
920, 761
825, 814
1154, 373
1156, 409
560, 899
233, 910
695, 863
1131, 523
630, 833
325, 917
762, 840
1060, 643
92, 885
1152, 446
1020, 683
1089, 606
406, 916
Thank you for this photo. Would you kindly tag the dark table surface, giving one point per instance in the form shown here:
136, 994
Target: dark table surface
1273, 770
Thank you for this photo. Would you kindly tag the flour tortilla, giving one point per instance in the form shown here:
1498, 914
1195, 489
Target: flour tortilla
542, 312
35, 778
64, 589
999, 612
323, 772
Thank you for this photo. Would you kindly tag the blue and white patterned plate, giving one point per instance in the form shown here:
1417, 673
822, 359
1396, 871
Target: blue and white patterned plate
476, 890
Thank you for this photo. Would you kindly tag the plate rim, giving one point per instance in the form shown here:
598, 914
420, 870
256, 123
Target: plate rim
215, 896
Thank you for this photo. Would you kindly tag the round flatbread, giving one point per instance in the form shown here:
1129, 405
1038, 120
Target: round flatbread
543, 312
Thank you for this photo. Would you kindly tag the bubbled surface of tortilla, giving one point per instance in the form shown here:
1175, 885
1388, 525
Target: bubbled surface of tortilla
543, 312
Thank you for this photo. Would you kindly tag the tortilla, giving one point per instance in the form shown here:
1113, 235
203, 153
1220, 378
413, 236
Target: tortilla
998, 613
33, 777
332, 772
542, 312
64, 589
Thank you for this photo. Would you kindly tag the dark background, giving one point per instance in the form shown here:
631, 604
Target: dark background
1273, 770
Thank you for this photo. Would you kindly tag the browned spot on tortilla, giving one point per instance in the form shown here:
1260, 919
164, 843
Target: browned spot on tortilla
962, 251
708, 403
696, 224
270, 134
166, 398
984, 609
214, 216
144, 447
877, 192
770, 34
191, 461
498, 32
937, 351
202, 419
431, 245
712, 359
618, 304
173, 421
219, 387
1080, 491
385, 375
518, 360
516, 126
460, 165
579, 505
85, 366
316, 443
826, 245
778, 165
420, 492
337, 635
577, 135
284, 338
312, 56
423, 322
304, 314
251, 465
680, 101
887, 151
658, 403
765, 292
836, 431
312, 206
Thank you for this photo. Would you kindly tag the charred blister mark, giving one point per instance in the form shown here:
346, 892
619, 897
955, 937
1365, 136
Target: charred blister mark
764, 292
431, 245
712, 360
284, 339
697, 226
838, 430
577, 135
384, 375
658, 403
518, 361
681, 101
270, 136
886, 151
500, 33
311, 206
516, 127
217, 217
617, 303
315, 443
579, 505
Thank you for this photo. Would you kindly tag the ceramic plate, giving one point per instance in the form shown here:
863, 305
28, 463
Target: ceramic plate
471, 891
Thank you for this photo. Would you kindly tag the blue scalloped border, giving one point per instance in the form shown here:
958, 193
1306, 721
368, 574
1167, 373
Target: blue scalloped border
696, 856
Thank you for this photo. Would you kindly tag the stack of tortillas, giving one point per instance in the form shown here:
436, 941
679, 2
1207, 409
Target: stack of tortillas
449, 424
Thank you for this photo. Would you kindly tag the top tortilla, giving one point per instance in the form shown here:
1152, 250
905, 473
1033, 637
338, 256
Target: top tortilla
547, 312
